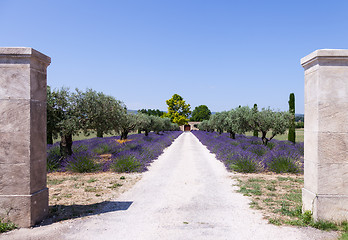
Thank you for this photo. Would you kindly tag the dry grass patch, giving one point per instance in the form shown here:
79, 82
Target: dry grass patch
74, 195
277, 195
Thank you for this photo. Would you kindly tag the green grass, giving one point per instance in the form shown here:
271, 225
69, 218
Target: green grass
275, 221
92, 180
6, 226
92, 134
344, 236
299, 135
55, 181
90, 189
115, 185
251, 188
280, 197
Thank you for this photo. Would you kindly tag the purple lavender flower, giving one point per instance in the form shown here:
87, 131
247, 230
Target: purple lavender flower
140, 149
248, 154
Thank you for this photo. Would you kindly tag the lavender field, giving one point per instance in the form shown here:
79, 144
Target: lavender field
105, 154
248, 154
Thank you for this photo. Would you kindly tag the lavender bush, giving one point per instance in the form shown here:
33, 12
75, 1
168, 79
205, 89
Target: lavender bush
283, 161
244, 162
53, 158
81, 162
127, 161
248, 154
136, 154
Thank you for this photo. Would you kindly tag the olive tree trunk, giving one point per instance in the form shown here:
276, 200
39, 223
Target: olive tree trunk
66, 145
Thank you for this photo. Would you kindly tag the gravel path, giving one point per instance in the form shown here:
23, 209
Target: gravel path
187, 194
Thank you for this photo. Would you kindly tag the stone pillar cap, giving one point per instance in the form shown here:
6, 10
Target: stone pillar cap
24, 52
324, 53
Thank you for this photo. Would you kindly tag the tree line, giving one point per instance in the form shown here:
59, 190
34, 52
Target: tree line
70, 113
244, 119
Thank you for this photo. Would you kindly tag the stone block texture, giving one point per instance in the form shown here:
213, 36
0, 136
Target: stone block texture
23, 190
325, 190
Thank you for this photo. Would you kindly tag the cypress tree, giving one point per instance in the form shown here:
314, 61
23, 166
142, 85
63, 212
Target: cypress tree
256, 133
292, 133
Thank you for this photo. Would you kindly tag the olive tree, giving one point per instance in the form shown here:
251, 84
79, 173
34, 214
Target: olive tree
255, 132
52, 117
167, 124
267, 120
125, 123
157, 124
218, 122
63, 119
98, 111
234, 121
154, 123
144, 123
244, 119
205, 125
232, 125
174, 127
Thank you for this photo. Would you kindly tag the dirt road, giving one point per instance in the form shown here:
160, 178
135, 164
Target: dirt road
187, 194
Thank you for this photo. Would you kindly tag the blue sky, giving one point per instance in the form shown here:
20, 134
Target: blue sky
219, 53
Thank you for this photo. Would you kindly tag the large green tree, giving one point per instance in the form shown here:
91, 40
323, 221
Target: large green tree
200, 113
178, 110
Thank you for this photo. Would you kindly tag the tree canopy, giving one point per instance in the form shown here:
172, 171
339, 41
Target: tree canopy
62, 118
200, 113
70, 113
151, 112
178, 110
243, 119
98, 111
149, 123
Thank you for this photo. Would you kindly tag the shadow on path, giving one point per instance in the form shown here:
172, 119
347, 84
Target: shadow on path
59, 213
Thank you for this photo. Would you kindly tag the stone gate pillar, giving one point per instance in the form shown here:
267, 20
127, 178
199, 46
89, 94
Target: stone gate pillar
325, 191
23, 191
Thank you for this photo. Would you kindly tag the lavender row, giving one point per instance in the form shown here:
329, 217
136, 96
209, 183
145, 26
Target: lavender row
104, 154
248, 154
